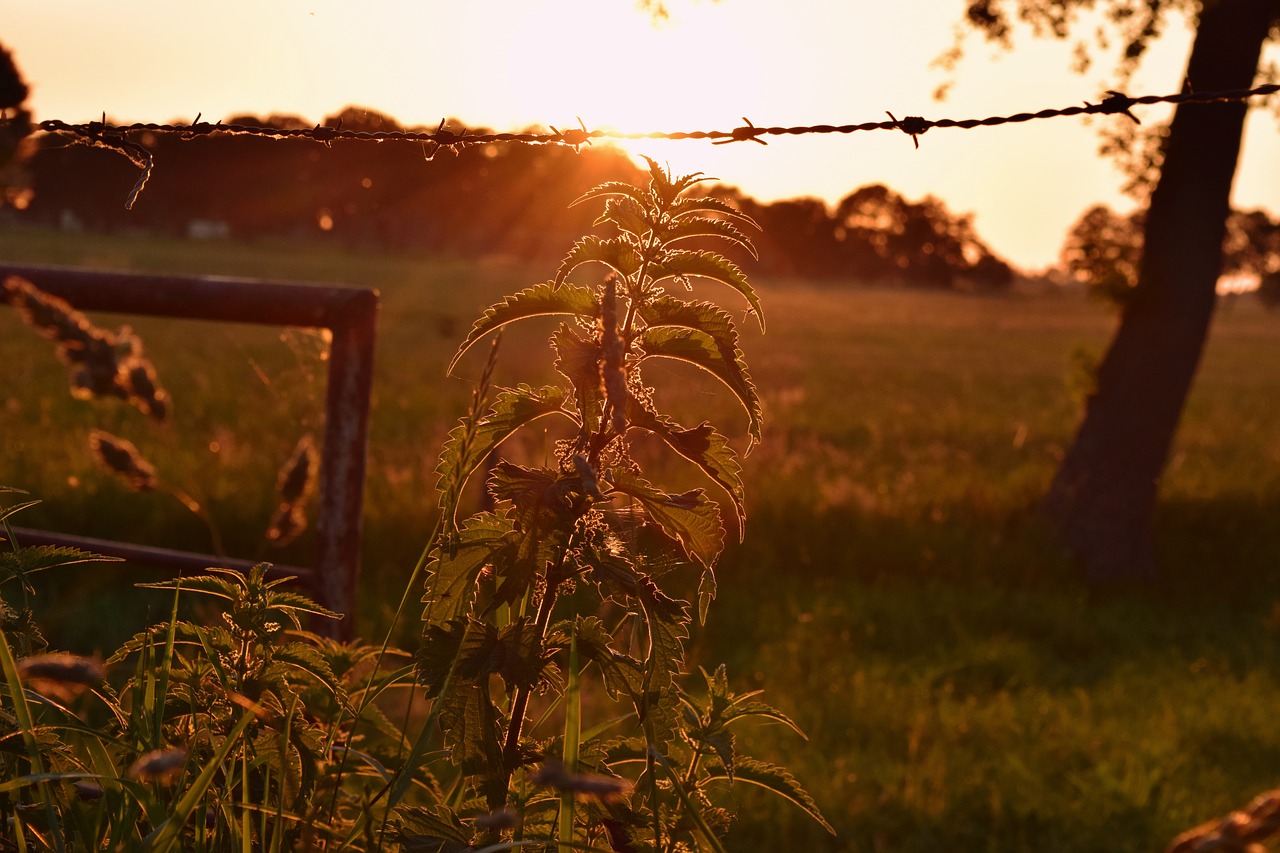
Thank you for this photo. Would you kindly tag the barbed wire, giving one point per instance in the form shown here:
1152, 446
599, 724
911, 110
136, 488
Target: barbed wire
116, 136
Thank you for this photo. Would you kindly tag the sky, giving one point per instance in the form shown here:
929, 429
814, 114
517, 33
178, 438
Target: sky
510, 64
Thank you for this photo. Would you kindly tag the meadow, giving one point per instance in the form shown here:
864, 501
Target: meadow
895, 593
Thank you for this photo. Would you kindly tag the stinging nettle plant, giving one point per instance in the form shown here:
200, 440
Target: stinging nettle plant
568, 583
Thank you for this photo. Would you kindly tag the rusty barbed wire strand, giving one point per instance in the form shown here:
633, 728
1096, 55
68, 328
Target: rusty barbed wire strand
116, 136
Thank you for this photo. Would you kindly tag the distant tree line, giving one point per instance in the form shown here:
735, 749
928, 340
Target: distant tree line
1103, 250
508, 198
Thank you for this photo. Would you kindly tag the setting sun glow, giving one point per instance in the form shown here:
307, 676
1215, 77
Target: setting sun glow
511, 65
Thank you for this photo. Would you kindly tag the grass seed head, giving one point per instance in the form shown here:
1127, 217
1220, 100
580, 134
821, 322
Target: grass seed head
120, 456
159, 765
295, 477
60, 676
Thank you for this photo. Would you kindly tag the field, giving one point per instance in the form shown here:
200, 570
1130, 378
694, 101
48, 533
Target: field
895, 594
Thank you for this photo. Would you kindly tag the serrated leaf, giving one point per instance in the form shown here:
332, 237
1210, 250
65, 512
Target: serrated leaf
294, 603
691, 518
543, 514
438, 830
308, 659
689, 206
622, 674
21, 562
705, 226
202, 584
702, 350
578, 360
453, 570
778, 780
666, 188
706, 593
685, 263
537, 301
617, 253
626, 214
522, 661
743, 710
512, 409
613, 188
9, 511
702, 446
667, 620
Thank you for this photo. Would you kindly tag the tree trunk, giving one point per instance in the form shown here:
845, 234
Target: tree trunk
1102, 499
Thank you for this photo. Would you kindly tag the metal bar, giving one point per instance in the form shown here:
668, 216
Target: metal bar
350, 314
146, 555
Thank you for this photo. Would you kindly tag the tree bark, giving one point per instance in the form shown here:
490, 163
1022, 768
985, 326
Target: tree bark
1102, 499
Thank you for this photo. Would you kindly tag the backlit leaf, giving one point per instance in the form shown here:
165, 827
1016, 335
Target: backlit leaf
705, 226
578, 360
453, 570
702, 350
684, 263
537, 301
512, 409
690, 206
691, 518
776, 779
617, 253
613, 188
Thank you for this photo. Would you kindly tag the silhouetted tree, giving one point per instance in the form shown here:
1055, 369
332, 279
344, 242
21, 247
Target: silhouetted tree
1102, 498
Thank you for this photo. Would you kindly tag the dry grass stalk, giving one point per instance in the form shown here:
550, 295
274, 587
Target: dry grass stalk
122, 457
294, 485
589, 786
100, 363
60, 676
159, 765
1242, 831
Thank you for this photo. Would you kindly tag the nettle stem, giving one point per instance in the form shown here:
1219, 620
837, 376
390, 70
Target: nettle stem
520, 702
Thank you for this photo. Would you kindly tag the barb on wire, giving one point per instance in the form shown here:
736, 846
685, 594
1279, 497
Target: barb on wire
747, 133
116, 137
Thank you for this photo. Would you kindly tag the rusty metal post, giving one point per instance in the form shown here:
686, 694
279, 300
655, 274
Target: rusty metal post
350, 314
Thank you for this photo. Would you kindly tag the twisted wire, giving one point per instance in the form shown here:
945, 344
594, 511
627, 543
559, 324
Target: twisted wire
116, 136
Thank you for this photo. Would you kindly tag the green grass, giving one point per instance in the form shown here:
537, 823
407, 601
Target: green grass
896, 593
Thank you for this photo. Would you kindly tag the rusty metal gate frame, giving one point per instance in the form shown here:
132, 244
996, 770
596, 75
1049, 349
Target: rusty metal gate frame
350, 315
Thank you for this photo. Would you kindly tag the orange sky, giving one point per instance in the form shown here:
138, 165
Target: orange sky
507, 64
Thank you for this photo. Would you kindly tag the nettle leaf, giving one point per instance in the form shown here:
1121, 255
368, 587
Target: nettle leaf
695, 206
683, 263
437, 829
617, 253
463, 647
203, 584
702, 350
522, 661
622, 674
705, 226
308, 659
511, 410
627, 214
9, 511
668, 622
542, 512
776, 779
451, 584
20, 562
184, 633
613, 188
537, 301
691, 518
291, 604
665, 189
578, 360
706, 593
741, 710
